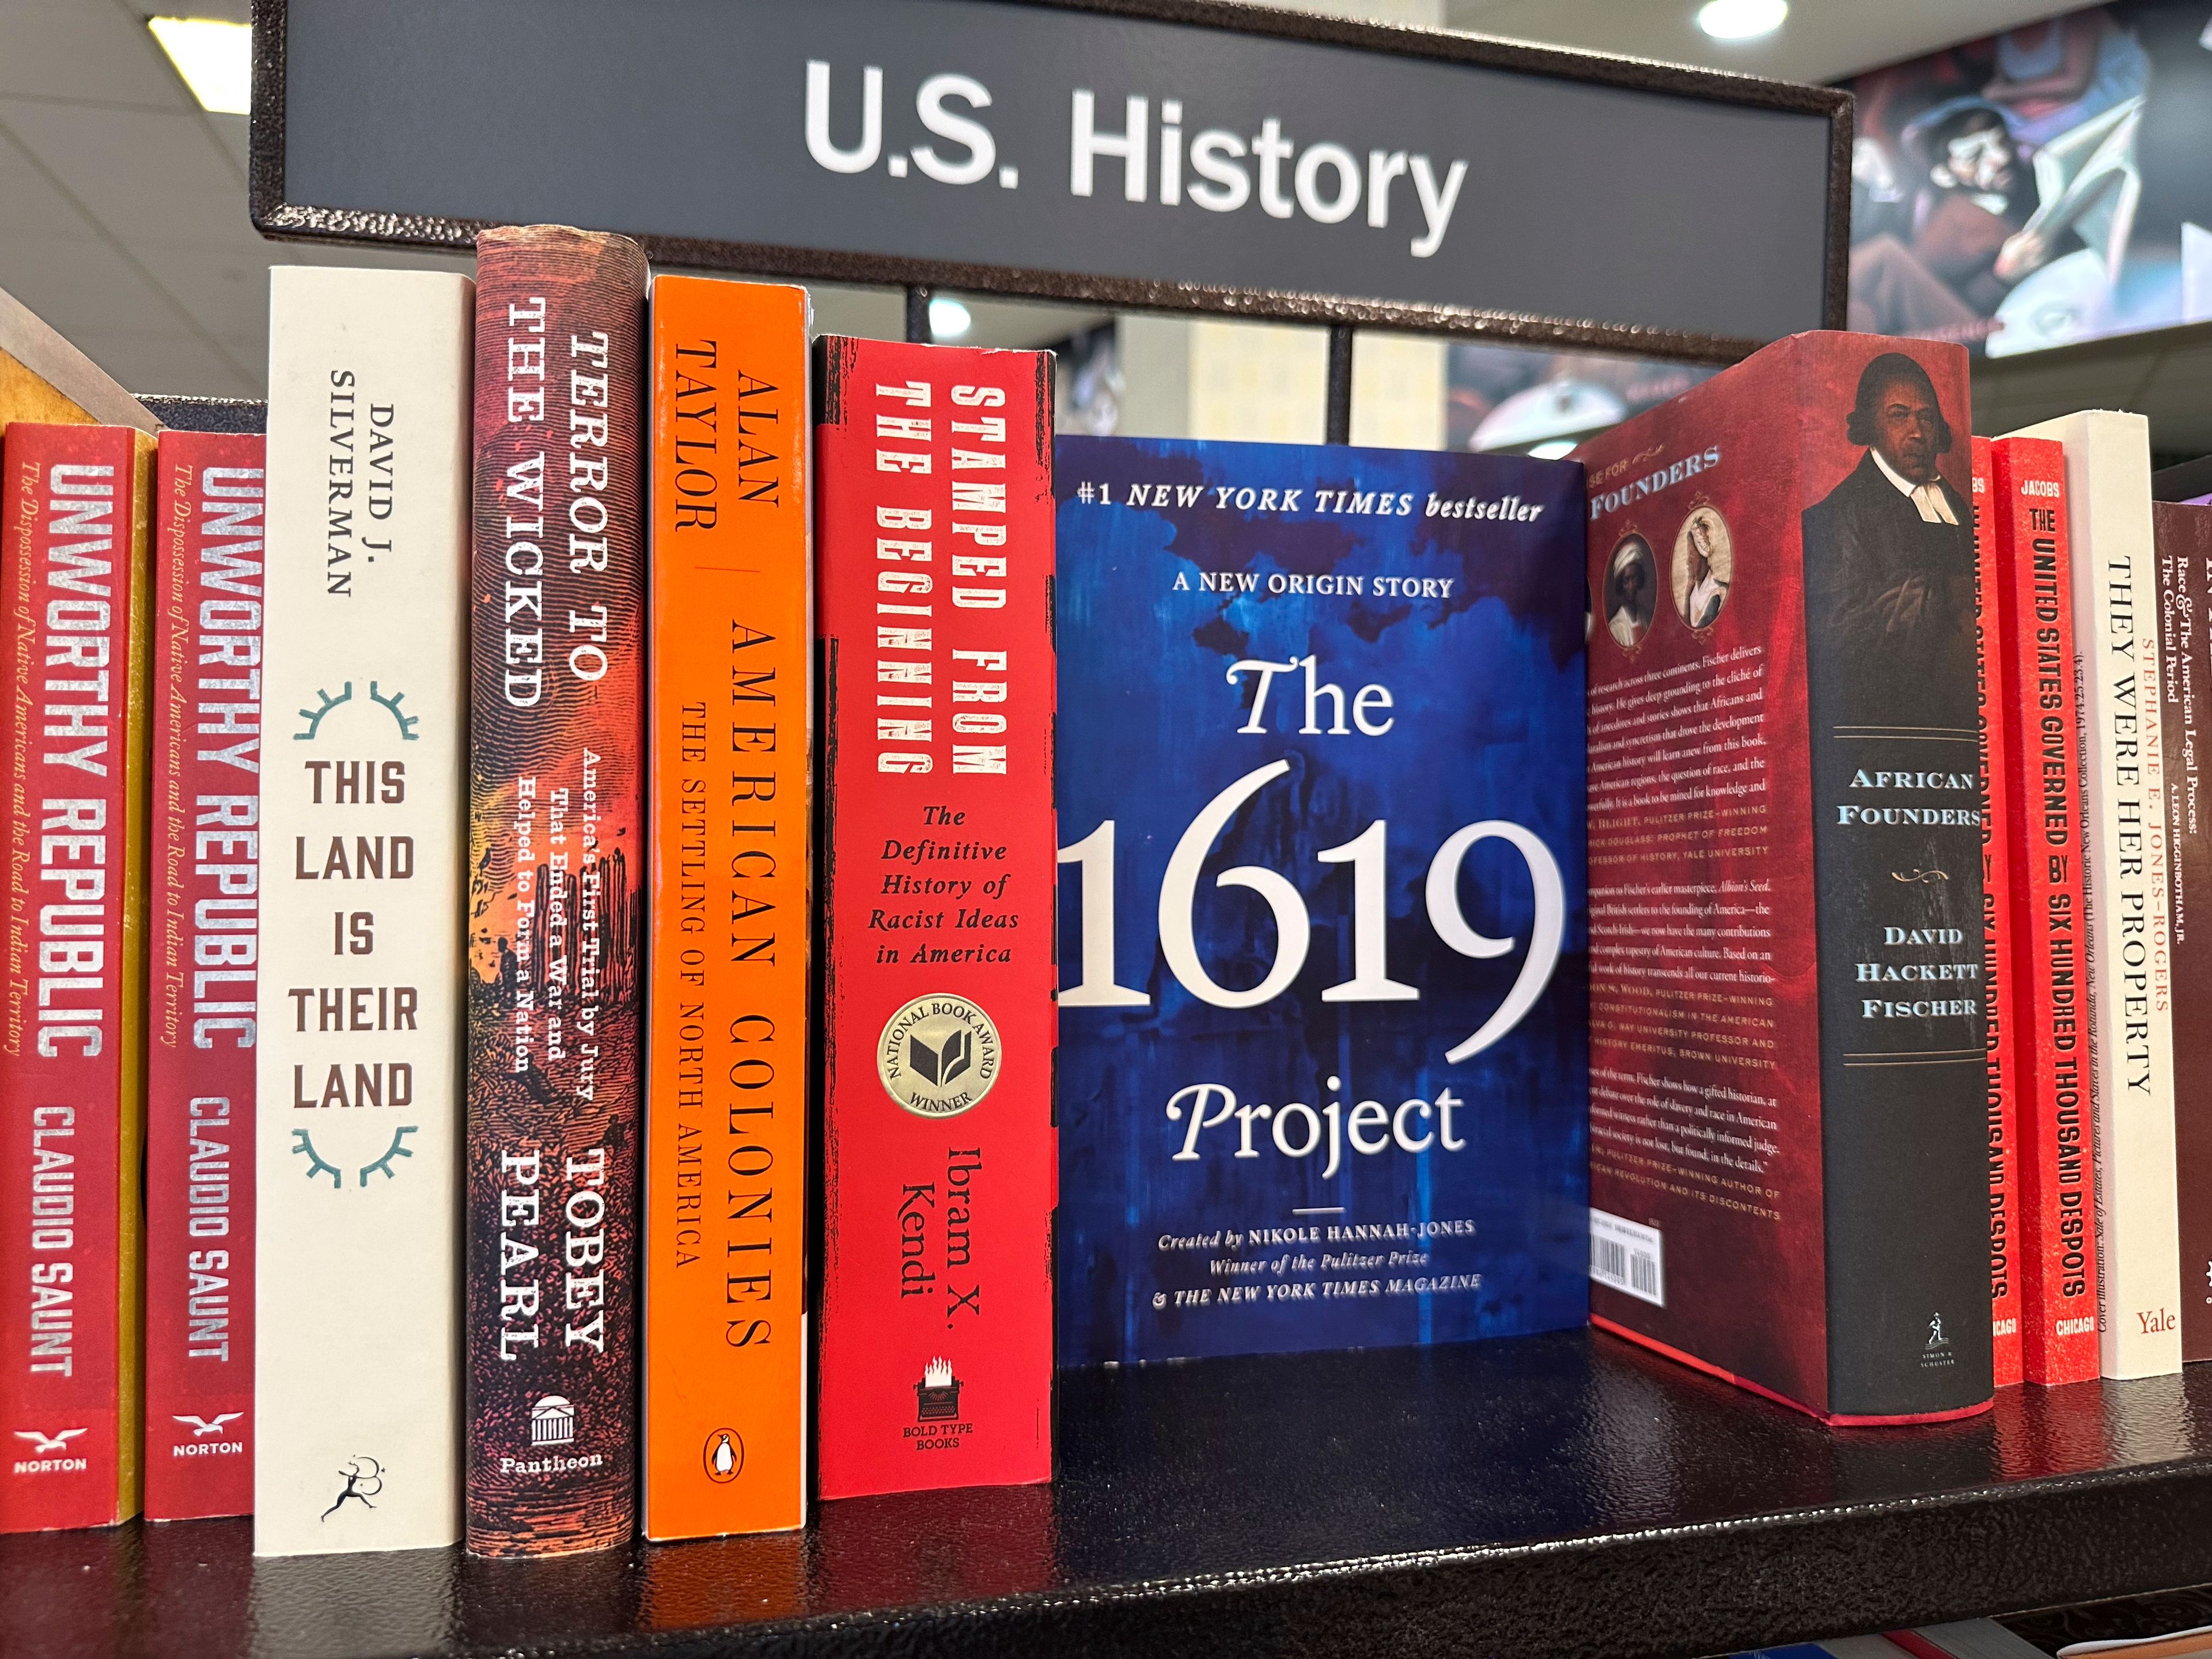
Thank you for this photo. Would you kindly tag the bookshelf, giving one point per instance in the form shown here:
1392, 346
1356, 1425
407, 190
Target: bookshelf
1550, 1496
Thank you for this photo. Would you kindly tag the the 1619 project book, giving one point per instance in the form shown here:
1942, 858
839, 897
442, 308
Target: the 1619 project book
1323, 935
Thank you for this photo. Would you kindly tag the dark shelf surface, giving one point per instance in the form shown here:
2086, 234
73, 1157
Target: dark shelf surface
1552, 1495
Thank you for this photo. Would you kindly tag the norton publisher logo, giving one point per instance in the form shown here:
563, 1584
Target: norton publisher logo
46, 1446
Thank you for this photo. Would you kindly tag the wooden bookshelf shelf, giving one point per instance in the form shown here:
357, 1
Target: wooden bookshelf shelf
1552, 1495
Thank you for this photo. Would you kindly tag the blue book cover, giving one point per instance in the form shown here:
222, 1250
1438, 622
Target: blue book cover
1323, 929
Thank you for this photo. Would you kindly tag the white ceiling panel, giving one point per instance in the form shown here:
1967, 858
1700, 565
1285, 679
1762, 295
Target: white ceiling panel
86, 51
148, 176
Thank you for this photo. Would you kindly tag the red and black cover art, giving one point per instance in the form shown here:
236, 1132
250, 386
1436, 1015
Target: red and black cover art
1787, 1078
935, 547
555, 922
203, 957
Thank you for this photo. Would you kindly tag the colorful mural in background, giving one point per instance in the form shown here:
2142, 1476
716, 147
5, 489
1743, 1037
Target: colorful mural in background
2045, 185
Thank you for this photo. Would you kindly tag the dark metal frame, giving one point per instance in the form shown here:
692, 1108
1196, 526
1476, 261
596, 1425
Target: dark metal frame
275, 216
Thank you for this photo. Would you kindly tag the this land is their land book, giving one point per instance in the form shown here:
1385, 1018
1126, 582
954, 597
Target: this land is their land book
556, 872
73, 592
935, 525
1323, 931
356, 1388
726, 1331
1787, 1055
203, 936
2184, 585
2057, 1238
2125, 854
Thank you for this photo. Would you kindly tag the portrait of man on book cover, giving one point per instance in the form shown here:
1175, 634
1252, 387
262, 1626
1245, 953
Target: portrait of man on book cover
1889, 552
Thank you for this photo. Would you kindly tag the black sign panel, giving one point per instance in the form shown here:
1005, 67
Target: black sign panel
1161, 153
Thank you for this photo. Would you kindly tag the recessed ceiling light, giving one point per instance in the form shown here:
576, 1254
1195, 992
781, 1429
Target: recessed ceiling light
1741, 19
948, 318
215, 59
1551, 448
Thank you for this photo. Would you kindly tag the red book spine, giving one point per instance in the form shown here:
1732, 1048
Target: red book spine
556, 815
935, 548
1998, 836
203, 953
71, 684
2051, 983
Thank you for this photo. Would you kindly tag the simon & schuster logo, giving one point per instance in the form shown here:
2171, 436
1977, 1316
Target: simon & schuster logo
1935, 1354
938, 1055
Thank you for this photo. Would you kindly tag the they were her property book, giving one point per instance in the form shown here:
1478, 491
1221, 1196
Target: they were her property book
1323, 936
1788, 1123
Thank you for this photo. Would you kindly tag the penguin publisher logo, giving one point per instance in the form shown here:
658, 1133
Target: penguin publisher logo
723, 1456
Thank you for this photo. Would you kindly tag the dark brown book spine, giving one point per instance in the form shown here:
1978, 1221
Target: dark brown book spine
557, 764
2183, 542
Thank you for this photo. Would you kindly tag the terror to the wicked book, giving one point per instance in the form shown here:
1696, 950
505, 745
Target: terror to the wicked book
1787, 1056
2057, 1253
935, 538
726, 1179
557, 871
2184, 613
73, 590
357, 1035
2124, 856
1324, 930
2000, 1109
203, 957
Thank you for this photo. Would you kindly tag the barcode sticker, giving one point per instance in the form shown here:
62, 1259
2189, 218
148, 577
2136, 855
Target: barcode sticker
1629, 1257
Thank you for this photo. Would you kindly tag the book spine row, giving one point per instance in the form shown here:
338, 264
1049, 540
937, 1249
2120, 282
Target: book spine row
2057, 1255
73, 587
1999, 831
556, 850
204, 965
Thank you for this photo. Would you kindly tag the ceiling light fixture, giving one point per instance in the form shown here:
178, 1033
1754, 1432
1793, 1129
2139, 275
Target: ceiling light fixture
948, 318
214, 59
1741, 19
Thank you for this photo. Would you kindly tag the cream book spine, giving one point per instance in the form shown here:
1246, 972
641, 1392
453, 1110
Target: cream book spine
357, 1373
2130, 975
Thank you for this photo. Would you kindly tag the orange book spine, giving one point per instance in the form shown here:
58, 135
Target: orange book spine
725, 1339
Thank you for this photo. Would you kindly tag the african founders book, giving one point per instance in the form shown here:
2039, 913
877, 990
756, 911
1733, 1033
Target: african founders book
1787, 1133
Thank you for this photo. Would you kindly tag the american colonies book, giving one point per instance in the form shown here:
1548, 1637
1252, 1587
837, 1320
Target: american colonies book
357, 1033
725, 1329
556, 872
1323, 935
2118, 671
935, 538
2185, 612
1787, 1055
2057, 1254
73, 590
204, 939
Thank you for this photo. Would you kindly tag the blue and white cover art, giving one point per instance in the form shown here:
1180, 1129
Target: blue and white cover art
1323, 930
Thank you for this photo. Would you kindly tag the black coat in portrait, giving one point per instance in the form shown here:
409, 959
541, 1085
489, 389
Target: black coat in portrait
1894, 596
